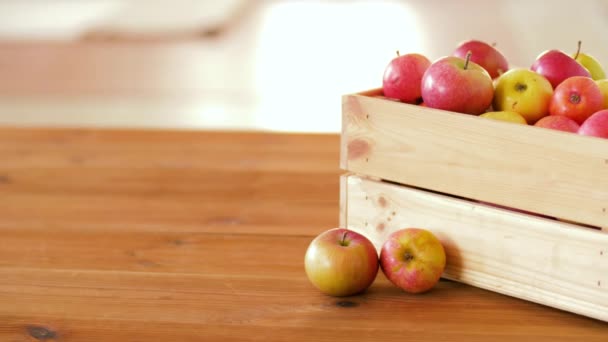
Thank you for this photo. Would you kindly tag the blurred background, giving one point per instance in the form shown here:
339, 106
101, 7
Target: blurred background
236, 64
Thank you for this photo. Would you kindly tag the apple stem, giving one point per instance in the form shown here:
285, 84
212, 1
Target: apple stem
398, 54
578, 50
466, 61
343, 241
493, 44
575, 98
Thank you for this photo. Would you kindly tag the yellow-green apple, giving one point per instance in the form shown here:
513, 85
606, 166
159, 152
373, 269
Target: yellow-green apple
341, 262
556, 66
413, 259
525, 92
458, 85
596, 125
484, 54
590, 63
507, 116
558, 122
603, 84
402, 77
577, 98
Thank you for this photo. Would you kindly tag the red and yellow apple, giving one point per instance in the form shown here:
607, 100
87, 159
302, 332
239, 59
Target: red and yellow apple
556, 66
402, 77
590, 63
484, 54
341, 262
596, 125
458, 85
577, 98
525, 92
559, 123
413, 259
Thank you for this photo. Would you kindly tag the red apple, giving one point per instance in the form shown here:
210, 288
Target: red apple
487, 56
341, 262
577, 98
557, 66
402, 77
458, 85
596, 125
413, 259
558, 122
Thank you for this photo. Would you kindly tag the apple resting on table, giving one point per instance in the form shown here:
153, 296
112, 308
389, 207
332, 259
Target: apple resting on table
341, 262
413, 259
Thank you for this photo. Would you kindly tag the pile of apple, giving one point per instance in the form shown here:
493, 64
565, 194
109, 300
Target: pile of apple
342, 262
559, 91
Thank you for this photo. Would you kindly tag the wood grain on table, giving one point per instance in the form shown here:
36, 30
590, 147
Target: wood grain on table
122, 235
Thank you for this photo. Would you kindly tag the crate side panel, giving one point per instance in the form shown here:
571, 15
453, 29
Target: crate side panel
555, 173
541, 260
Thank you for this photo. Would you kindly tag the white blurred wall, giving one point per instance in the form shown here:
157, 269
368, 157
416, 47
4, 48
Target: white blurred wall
278, 65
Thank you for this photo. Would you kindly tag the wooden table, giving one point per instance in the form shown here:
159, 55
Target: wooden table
200, 236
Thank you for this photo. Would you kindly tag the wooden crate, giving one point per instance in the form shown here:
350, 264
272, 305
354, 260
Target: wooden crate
411, 166
555, 173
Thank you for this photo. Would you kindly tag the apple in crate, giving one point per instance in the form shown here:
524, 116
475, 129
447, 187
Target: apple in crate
341, 262
484, 54
458, 85
556, 66
603, 84
506, 116
596, 125
559, 123
413, 259
402, 77
577, 98
590, 63
525, 92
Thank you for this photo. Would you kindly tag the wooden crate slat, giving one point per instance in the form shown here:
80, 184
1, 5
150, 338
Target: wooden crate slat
555, 173
537, 259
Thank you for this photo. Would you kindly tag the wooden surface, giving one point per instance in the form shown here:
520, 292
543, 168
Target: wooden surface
197, 236
538, 259
544, 171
